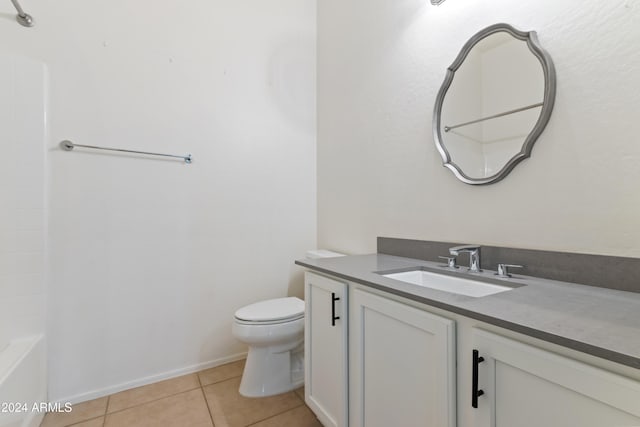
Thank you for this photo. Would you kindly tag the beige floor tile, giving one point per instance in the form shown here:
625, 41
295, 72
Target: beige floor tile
221, 373
96, 422
180, 410
80, 412
137, 396
229, 409
300, 393
298, 417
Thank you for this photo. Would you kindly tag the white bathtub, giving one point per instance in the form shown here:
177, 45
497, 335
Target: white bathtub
22, 382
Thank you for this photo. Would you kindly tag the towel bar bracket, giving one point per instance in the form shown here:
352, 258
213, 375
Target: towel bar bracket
23, 18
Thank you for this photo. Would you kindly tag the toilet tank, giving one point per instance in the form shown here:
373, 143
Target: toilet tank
322, 253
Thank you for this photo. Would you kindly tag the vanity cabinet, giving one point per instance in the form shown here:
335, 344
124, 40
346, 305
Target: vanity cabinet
402, 365
387, 361
524, 386
326, 349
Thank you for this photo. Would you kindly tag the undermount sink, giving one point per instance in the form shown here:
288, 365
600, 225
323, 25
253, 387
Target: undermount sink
456, 285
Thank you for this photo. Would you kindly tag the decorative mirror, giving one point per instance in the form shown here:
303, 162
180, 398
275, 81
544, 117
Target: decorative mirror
495, 101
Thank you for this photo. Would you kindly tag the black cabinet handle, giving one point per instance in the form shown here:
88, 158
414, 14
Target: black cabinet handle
474, 387
334, 298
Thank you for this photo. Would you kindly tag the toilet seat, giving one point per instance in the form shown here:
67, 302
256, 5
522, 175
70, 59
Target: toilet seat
271, 312
267, 322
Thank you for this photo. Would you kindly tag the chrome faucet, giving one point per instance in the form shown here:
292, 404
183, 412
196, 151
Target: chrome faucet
474, 256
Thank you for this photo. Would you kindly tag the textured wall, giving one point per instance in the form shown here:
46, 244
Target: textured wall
150, 258
380, 65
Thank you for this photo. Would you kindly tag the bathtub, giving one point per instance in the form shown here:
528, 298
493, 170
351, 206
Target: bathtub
23, 382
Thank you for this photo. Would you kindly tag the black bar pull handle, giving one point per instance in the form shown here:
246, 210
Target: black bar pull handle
334, 298
475, 393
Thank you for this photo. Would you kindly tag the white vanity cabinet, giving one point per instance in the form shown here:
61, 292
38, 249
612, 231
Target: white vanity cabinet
326, 349
402, 365
388, 361
524, 386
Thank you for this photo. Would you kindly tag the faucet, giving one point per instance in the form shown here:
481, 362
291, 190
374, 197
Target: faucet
474, 256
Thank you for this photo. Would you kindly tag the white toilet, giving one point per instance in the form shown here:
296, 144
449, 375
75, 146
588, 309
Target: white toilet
274, 331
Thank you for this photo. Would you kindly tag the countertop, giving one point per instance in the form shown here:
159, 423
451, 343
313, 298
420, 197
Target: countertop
601, 322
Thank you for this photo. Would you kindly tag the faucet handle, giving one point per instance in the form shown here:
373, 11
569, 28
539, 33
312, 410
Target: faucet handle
503, 269
451, 261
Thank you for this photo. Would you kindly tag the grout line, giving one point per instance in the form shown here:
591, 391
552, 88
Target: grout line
104, 416
206, 402
153, 400
106, 408
200, 386
169, 395
199, 381
151, 379
220, 381
84, 421
275, 415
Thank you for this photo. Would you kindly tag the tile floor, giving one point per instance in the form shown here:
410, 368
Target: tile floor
207, 398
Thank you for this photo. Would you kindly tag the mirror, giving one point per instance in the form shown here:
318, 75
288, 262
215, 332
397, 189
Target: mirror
495, 101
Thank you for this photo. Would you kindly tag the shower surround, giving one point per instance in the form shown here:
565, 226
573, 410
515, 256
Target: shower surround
23, 131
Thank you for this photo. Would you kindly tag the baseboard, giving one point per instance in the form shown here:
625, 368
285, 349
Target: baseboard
82, 397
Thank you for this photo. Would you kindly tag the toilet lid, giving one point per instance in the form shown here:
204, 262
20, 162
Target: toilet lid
273, 309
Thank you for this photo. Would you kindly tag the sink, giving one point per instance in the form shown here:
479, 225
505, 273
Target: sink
441, 282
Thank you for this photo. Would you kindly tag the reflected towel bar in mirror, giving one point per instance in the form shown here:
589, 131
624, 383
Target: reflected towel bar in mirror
68, 146
495, 116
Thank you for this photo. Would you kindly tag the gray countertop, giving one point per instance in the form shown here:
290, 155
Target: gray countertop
601, 322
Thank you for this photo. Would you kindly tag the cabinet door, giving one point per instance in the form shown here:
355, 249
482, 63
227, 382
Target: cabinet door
524, 386
402, 365
326, 349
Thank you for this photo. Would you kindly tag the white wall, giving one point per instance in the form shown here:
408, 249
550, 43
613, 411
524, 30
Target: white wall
150, 258
380, 65
23, 106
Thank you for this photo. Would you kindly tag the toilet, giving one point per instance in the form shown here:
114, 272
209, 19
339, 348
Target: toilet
274, 331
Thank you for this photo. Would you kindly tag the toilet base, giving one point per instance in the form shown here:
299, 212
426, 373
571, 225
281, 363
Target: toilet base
269, 371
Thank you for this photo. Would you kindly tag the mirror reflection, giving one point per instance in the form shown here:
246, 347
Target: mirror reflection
493, 105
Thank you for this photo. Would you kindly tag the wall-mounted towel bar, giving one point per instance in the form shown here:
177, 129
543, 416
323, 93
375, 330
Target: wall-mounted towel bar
495, 116
23, 18
68, 146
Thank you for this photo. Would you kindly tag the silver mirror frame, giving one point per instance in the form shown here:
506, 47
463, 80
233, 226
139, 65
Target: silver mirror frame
531, 39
